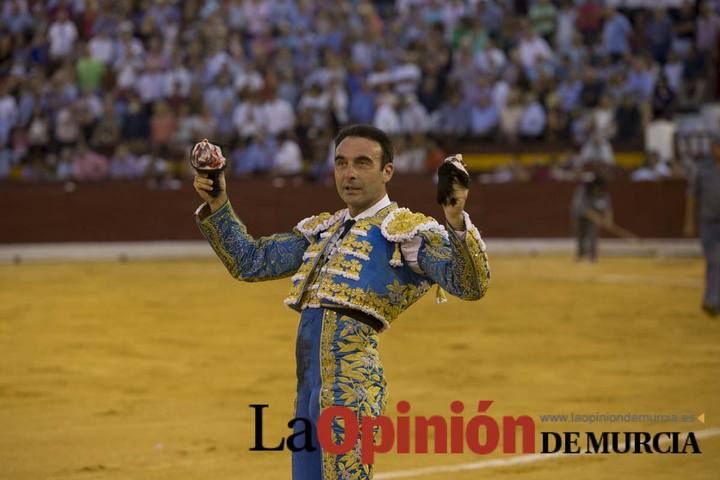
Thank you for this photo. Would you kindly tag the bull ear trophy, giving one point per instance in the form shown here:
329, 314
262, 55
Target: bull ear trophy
207, 158
452, 169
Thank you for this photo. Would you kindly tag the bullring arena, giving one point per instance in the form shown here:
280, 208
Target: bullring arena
127, 352
145, 368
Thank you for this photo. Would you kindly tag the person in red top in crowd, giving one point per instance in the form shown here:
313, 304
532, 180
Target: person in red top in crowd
590, 20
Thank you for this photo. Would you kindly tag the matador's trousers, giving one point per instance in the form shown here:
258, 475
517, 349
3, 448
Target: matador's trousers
337, 364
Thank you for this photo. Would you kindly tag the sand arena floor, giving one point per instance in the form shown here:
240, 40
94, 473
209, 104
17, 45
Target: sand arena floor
145, 370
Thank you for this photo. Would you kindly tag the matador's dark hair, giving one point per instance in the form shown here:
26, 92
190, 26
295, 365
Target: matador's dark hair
371, 133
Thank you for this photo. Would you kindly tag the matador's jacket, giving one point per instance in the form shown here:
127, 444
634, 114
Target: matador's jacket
338, 268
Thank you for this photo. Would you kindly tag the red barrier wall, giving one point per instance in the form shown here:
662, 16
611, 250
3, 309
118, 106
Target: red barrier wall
118, 211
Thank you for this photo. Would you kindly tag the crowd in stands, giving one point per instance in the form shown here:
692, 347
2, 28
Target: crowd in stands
121, 89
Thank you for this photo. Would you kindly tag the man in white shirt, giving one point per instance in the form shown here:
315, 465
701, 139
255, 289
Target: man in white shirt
8, 113
103, 48
278, 115
533, 48
62, 35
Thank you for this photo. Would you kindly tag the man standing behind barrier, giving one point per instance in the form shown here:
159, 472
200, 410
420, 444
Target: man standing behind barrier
353, 272
704, 200
590, 209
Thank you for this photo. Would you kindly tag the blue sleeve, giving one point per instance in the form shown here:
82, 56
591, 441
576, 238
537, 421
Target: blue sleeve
249, 259
459, 266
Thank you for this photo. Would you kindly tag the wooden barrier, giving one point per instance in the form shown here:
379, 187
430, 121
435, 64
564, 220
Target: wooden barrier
129, 211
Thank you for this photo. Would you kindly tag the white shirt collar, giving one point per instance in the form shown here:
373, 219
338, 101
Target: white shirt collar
369, 212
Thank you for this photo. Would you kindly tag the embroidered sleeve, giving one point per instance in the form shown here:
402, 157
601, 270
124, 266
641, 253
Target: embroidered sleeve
460, 266
250, 259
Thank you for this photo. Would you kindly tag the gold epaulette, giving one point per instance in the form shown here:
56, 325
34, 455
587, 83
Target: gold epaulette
401, 225
318, 223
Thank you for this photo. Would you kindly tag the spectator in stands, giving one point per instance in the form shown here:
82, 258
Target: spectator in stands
603, 118
640, 80
684, 28
616, 34
409, 157
660, 137
490, 60
568, 92
8, 111
510, 116
102, 47
248, 116
64, 165
453, 116
39, 133
386, 115
414, 118
90, 110
125, 165
593, 88
652, 170
470, 32
67, 126
708, 30
288, 158
362, 104
135, 121
62, 34
533, 49
220, 93
558, 121
674, 71
577, 54
16, 17
533, 118
39, 49
151, 85
513, 171
430, 94
278, 113
338, 99
663, 99
107, 131
318, 103
659, 31
257, 156
484, 118
7, 162
543, 18
162, 126
565, 30
89, 71
691, 91
589, 20
596, 153
628, 121
225, 131
89, 165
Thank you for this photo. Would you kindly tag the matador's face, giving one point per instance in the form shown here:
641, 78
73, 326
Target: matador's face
359, 177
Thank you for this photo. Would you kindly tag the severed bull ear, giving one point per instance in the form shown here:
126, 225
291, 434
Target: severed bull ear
452, 170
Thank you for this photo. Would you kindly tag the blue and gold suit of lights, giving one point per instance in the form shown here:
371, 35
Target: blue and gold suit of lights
337, 359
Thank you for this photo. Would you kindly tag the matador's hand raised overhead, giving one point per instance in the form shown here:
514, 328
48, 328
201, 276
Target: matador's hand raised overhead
453, 188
